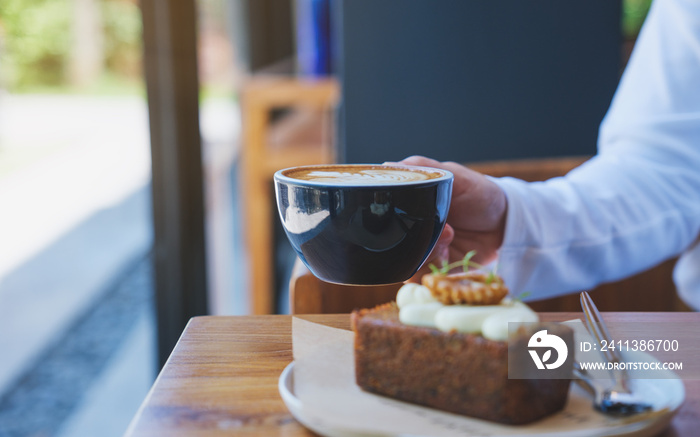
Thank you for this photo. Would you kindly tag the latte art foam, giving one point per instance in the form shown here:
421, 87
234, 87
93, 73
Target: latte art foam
361, 175
367, 176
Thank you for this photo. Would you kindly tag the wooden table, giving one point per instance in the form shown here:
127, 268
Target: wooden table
221, 378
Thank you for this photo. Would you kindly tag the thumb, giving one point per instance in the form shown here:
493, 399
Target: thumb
442, 246
439, 253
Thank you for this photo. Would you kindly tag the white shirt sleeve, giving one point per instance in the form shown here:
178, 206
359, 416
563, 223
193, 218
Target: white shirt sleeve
637, 202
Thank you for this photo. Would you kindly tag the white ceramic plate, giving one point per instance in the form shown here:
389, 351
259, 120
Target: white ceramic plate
671, 392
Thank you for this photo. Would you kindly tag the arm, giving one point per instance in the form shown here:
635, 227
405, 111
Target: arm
637, 202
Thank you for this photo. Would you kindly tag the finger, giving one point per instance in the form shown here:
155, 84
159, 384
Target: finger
420, 161
440, 253
444, 241
465, 242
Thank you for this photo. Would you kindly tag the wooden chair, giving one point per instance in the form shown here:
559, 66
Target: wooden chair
301, 135
652, 290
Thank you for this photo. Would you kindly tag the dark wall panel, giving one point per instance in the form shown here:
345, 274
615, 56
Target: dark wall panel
472, 80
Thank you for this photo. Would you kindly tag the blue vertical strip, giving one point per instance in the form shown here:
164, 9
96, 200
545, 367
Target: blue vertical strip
314, 47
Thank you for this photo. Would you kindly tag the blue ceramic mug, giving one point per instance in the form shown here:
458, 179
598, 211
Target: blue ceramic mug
363, 224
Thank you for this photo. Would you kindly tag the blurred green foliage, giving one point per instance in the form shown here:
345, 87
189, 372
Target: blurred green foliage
36, 41
122, 27
633, 14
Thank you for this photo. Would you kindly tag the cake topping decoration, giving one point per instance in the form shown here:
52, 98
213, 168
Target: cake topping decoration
471, 301
472, 287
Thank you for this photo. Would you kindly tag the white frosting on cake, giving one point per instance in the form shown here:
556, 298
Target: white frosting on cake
420, 314
413, 293
417, 307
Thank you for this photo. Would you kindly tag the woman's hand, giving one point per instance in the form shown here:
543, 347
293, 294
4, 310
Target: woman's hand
477, 216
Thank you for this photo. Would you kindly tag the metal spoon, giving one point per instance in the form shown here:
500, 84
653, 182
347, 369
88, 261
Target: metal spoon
608, 400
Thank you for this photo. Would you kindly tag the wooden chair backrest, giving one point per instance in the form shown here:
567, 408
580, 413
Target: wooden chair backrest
652, 290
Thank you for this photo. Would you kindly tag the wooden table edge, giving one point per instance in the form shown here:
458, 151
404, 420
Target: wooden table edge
686, 420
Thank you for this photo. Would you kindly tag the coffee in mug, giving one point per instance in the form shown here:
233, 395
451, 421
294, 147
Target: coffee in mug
361, 175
